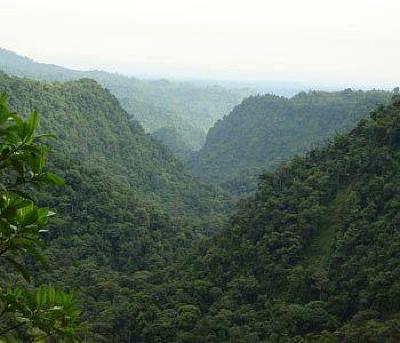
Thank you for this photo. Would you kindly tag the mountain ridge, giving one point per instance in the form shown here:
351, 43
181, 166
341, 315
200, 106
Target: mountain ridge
92, 127
266, 130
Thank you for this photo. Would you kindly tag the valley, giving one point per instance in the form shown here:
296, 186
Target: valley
279, 225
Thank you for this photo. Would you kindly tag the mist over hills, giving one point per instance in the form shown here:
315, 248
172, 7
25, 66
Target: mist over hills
192, 109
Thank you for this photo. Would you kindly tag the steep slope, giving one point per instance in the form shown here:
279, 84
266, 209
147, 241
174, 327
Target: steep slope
94, 129
191, 109
264, 131
313, 256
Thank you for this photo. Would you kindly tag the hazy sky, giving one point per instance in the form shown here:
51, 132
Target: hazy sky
350, 41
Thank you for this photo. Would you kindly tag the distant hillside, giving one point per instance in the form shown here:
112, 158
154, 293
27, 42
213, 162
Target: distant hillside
171, 138
191, 109
264, 131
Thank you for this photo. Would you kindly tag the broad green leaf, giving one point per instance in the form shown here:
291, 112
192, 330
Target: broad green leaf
55, 179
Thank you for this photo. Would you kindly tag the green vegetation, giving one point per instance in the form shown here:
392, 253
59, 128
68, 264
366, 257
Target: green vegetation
189, 108
26, 314
128, 210
96, 132
146, 248
312, 257
264, 131
170, 137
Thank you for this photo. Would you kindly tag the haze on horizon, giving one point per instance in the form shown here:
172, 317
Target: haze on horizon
353, 42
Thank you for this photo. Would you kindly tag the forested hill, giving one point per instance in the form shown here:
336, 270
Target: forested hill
263, 131
129, 208
94, 130
313, 256
191, 109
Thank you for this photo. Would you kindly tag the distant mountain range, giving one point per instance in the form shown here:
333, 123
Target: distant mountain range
190, 108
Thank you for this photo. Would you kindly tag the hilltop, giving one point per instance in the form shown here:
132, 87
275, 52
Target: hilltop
264, 131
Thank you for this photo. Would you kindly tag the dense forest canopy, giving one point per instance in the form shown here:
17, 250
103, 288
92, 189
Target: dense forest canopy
128, 205
191, 109
312, 256
264, 131
154, 254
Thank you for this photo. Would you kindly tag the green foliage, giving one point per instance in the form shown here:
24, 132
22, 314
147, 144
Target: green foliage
24, 313
265, 131
39, 314
22, 162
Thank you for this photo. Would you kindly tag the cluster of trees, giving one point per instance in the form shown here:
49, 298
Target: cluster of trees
265, 131
190, 108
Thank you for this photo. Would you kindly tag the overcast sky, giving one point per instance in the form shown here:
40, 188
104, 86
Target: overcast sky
340, 41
